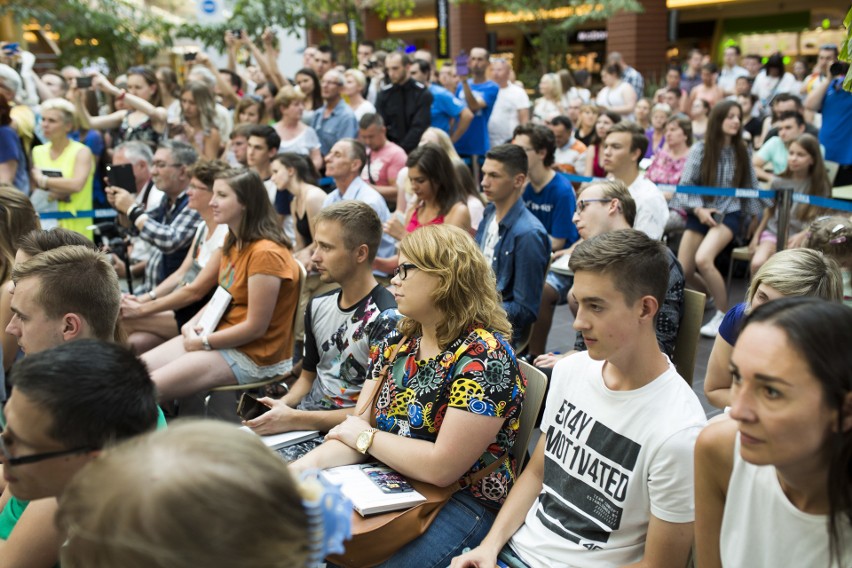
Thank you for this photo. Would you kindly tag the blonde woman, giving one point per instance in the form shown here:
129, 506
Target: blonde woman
432, 424
789, 273
296, 136
354, 85
549, 104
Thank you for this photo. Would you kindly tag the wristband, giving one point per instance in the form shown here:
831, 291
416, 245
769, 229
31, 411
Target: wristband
134, 214
121, 95
205, 341
153, 294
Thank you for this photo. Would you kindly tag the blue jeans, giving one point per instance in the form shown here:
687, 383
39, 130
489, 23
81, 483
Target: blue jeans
462, 523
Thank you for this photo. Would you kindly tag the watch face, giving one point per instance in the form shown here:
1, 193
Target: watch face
363, 441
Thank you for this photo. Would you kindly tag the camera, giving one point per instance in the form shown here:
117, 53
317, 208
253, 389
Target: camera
838, 69
116, 239
84, 82
189, 56
237, 33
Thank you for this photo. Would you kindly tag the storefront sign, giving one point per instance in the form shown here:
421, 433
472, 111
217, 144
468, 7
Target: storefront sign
442, 9
591, 36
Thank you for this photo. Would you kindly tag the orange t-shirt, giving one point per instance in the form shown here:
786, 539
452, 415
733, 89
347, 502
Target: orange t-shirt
269, 258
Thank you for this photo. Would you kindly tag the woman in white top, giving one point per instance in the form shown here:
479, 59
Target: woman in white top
773, 80
617, 95
549, 104
570, 89
157, 316
354, 84
296, 136
772, 485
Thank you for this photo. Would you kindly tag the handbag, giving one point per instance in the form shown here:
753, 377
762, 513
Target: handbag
377, 537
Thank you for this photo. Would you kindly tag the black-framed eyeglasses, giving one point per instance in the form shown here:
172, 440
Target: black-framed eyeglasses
583, 203
35, 458
402, 270
161, 165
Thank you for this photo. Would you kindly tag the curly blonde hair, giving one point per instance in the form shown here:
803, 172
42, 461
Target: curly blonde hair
467, 291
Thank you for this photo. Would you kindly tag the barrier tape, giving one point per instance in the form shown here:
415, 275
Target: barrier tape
825, 202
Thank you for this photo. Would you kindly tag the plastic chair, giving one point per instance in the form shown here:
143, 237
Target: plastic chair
303, 274
536, 389
686, 344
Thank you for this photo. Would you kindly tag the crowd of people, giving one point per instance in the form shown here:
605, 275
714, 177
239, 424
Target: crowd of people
387, 244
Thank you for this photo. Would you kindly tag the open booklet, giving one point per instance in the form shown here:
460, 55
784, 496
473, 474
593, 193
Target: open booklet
374, 488
278, 441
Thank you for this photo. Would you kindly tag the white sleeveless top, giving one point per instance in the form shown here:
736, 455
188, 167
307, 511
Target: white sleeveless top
761, 528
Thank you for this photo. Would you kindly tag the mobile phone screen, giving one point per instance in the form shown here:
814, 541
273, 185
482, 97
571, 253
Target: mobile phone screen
461, 64
122, 176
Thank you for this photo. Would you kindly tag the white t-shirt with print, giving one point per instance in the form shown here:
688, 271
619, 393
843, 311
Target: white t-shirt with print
612, 459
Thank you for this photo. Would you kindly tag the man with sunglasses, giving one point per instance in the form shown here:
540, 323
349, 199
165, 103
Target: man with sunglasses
603, 207
68, 403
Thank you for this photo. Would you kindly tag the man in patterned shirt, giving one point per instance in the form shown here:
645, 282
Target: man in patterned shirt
170, 226
340, 326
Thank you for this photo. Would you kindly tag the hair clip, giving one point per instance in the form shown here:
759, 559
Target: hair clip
837, 241
329, 516
837, 227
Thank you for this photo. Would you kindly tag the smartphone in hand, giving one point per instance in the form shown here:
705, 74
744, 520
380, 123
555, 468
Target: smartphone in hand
249, 407
462, 69
84, 82
122, 176
718, 217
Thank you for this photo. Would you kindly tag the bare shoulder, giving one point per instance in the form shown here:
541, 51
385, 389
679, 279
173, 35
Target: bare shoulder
715, 445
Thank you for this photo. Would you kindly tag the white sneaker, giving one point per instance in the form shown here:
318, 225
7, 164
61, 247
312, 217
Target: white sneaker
711, 328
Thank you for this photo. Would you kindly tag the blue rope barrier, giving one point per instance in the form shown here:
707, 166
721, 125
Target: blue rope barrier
838, 204
96, 213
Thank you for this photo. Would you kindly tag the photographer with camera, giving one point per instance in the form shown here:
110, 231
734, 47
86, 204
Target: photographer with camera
171, 226
835, 104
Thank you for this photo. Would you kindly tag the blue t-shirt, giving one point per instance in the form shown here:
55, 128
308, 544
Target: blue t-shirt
445, 106
475, 140
554, 206
732, 324
836, 131
10, 149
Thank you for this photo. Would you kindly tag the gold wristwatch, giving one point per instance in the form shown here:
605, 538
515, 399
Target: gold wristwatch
365, 440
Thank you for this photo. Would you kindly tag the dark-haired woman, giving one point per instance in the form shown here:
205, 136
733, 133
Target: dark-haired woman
309, 83
254, 338
295, 174
721, 160
773, 485
13, 161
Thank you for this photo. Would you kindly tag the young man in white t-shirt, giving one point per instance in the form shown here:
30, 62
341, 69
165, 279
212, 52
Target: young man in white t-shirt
610, 481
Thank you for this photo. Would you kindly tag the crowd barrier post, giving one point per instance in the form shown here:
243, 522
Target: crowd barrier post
785, 204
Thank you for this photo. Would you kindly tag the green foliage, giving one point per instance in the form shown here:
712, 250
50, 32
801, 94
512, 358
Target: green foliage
123, 34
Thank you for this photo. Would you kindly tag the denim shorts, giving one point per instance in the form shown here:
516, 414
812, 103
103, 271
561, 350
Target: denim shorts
730, 220
562, 283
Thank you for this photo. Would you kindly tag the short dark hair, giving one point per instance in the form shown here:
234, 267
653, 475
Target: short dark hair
368, 43
273, 141
404, 58
423, 66
562, 120
513, 158
711, 67
638, 140
325, 48
359, 222
206, 171
96, 392
38, 241
736, 49
541, 138
637, 265
236, 80
371, 119
243, 130
794, 114
675, 91
784, 97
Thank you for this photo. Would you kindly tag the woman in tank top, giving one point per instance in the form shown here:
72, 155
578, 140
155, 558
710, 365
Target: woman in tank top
295, 174
772, 486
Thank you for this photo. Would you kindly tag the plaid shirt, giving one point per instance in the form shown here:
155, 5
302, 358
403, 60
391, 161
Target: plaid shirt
634, 78
724, 178
169, 228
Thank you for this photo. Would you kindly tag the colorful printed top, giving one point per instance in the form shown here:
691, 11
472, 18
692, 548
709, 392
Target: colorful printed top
477, 372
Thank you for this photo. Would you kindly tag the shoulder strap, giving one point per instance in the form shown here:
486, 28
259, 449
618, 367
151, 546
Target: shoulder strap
385, 373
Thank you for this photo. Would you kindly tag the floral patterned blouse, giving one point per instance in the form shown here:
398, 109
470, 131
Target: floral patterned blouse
666, 168
477, 373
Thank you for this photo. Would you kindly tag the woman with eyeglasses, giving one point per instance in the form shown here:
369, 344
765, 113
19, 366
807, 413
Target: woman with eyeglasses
773, 486
451, 402
153, 318
296, 136
254, 337
145, 118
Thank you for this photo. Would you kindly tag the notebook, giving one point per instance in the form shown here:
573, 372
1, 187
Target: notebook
214, 311
374, 488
